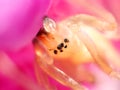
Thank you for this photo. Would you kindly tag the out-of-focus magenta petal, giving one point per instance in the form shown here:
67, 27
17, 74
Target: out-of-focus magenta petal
72, 7
113, 6
103, 81
13, 70
20, 21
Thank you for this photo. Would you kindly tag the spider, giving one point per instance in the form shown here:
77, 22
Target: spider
76, 39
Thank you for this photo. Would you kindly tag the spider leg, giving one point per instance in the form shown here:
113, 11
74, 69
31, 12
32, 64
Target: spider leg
45, 62
99, 50
97, 23
109, 29
42, 78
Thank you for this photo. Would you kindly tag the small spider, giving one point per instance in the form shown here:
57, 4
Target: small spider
76, 38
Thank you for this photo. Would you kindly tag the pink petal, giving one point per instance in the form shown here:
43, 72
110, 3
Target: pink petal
113, 7
20, 20
9, 69
71, 7
103, 81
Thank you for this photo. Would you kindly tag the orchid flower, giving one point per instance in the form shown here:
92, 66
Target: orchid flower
21, 21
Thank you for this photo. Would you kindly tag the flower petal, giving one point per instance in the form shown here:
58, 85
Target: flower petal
113, 7
20, 21
9, 69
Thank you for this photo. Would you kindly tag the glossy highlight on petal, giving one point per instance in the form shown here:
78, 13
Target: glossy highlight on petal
20, 20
